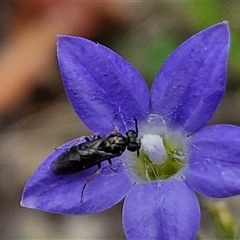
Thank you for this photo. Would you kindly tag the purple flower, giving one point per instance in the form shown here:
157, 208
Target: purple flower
177, 156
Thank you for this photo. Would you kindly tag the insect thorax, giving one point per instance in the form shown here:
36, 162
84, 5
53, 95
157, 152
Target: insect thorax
115, 143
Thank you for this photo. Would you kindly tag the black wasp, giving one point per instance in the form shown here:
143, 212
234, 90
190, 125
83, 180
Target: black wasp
94, 151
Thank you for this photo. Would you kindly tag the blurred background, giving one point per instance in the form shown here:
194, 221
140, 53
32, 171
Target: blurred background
36, 117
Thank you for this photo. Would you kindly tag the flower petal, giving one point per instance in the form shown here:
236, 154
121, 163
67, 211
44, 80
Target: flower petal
214, 164
161, 210
191, 83
62, 193
101, 84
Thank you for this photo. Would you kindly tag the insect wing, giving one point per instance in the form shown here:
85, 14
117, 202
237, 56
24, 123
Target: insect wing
78, 158
94, 144
66, 163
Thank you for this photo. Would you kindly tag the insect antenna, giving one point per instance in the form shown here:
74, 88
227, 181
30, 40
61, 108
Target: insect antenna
136, 126
115, 128
136, 129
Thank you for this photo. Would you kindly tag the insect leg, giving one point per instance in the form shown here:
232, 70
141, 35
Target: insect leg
75, 143
90, 179
93, 136
136, 129
111, 166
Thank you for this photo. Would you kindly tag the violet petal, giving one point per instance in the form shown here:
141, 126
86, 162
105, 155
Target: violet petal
161, 210
62, 193
214, 162
191, 83
101, 84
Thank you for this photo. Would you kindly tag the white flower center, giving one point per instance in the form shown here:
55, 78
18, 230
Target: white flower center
153, 146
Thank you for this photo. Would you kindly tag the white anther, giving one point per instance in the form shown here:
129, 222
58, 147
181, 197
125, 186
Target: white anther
153, 146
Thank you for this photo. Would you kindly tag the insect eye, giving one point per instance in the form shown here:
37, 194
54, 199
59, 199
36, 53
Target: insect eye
131, 134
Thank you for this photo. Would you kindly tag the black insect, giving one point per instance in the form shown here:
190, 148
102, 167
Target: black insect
94, 151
